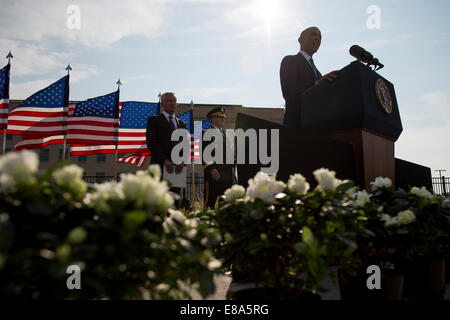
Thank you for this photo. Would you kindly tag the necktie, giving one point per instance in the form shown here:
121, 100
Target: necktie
172, 124
316, 77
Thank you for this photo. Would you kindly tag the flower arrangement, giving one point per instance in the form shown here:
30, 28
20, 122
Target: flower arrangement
285, 236
404, 225
125, 237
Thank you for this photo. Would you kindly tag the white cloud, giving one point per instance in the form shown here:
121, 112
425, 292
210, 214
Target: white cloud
101, 22
437, 99
30, 58
81, 71
430, 110
23, 90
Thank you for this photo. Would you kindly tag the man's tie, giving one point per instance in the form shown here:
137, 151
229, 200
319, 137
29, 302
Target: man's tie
172, 124
316, 73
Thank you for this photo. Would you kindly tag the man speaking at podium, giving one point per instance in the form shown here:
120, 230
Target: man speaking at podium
298, 73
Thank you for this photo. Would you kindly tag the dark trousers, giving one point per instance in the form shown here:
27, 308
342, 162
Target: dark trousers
214, 189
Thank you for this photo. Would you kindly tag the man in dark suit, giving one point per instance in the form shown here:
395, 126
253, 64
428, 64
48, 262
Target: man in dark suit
218, 176
159, 132
298, 73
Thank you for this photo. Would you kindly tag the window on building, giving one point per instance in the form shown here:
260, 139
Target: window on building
101, 157
7, 150
9, 137
82, 158
44, 155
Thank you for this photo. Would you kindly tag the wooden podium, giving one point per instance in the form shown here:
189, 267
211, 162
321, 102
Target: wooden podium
360, 108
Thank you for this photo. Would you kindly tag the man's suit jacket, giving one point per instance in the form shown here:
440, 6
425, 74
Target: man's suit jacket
158, 136
296, 76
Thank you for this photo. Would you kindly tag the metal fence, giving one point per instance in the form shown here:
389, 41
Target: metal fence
441, 185
99, 179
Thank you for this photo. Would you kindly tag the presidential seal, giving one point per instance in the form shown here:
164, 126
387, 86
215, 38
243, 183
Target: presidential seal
383, 95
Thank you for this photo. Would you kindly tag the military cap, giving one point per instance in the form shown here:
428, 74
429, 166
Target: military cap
216, 112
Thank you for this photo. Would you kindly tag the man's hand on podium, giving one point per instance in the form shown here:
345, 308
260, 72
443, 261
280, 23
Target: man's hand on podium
331, 76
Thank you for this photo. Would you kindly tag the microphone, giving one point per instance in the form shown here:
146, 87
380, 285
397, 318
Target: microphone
364, 56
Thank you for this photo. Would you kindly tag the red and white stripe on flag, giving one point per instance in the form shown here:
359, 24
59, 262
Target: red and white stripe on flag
137, 158
129, 141
38, 142
4, 107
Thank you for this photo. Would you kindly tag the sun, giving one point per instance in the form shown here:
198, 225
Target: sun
268, 11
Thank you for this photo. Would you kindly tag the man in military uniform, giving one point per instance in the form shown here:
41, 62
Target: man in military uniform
218, 177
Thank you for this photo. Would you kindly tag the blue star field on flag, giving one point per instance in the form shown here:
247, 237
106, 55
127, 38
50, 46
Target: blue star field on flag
206, 124
4, 82
134, 114
106, 106
51, 97
188, 118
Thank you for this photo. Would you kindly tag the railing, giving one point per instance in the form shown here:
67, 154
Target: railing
441, 185
198, 188
95, 179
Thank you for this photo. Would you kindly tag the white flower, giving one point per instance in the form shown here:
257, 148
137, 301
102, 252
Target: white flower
20, 166
104, 192
7, 183
422, 192
297, 183
326, 179
144, 190
155, 171
70, 178
264, 187
380, 183
388, 220
234, 193
175, 217
362, 197
406, 217
157, 195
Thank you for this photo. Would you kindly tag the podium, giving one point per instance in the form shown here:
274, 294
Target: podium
359, 108
349, 126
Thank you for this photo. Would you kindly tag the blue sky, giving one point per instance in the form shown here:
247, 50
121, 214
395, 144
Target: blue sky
229, 52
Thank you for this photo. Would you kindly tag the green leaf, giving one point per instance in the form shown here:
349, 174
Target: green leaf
257, 214
307, 235
134, 219
345, 186
77, 235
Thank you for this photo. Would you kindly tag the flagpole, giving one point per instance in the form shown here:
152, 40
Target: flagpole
68, 68
117, 142
4, 142
193, 160
9, 56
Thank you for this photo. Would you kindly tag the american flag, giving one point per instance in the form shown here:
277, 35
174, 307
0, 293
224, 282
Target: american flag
133, 123
4, 96
140, 157
43, 114
32, 142
137, 158
95, 121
